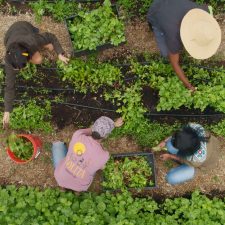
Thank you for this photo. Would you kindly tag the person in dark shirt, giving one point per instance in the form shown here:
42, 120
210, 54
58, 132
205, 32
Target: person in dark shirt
23, 43
177, 22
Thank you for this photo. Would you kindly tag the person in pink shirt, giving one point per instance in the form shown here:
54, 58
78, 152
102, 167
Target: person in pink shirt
75, 168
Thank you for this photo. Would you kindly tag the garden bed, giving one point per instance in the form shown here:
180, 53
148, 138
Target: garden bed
131, 171
95, 37
82, 101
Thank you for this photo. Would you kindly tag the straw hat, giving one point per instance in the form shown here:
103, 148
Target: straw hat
200, 34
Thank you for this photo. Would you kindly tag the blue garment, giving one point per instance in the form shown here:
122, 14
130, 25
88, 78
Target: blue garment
59, 151
181, 173
161, 41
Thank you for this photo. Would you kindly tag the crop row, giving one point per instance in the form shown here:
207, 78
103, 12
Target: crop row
52, 207
108, 82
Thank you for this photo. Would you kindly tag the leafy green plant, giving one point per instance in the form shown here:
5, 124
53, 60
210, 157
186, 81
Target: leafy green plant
21, 147
27, 205
89, 75
62, 9
135, 7
172, 93
31, 117
59, 9
2, 75
218, 5
97, 27
218, 128
28, 72
129, 101
39, 9
127, 172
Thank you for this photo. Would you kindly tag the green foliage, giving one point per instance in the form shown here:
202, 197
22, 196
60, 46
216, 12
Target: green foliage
39, 9
135, 7
122, 173
218, 128
129, 100
59, 9
218, 5
29, 206
172, 93
29, 71
31, 117
1, 75
21, 147
89, 75
145, 132
181, 96
62, 9
201, 208
140, 7
97, 27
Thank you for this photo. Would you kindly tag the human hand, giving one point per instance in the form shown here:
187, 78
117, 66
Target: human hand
160, 146
63, 58
192, 88
118, 122
165, 157
5, 120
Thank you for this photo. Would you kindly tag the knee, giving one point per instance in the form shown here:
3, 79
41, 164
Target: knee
58, 145
180, 175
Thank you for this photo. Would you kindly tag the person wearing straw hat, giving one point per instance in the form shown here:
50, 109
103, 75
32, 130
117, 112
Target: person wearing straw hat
177, 22
76, 168
23, 43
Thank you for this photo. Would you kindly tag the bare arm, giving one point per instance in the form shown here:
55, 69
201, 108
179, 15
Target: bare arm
167, 156
174, 60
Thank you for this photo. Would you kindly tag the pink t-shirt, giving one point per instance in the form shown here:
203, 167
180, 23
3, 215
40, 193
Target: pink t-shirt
76, 171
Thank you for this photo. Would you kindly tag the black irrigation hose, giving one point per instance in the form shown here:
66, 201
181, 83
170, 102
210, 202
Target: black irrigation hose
40, 88
73, 104
166, 62
184, 115
85, 106
146, 114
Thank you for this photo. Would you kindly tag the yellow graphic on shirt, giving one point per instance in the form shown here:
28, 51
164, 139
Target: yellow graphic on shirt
79, 148
74, 169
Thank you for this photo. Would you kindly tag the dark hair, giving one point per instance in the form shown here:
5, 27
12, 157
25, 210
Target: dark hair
96, 135
187, 141
18, 55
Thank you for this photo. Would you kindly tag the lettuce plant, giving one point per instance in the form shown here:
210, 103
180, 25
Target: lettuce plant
97, 27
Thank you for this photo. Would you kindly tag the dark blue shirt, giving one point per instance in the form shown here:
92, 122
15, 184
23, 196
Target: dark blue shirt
167, 15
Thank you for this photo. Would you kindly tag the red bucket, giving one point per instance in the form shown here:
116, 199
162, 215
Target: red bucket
36, 148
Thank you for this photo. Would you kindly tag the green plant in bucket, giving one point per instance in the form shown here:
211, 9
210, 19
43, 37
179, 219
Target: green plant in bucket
21, 147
